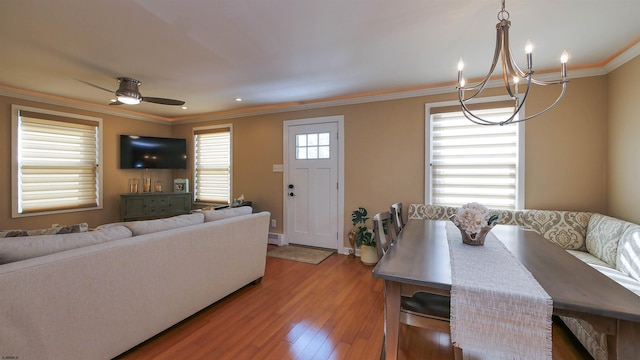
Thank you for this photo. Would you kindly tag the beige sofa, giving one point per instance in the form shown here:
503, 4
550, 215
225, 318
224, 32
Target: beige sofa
609, 245
98, 301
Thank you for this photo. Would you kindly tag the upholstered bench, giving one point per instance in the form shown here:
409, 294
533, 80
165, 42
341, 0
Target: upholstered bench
609, 245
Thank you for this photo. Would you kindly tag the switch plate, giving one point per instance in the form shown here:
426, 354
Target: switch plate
273, 223
278, 168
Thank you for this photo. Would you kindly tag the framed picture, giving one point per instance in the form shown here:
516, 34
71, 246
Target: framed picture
181, 185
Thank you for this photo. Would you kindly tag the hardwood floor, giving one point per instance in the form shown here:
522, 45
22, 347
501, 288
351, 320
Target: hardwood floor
333, 310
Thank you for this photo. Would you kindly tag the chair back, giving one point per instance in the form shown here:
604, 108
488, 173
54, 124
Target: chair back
383, 232
396, 216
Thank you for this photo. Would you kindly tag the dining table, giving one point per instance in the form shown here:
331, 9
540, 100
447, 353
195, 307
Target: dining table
419, 260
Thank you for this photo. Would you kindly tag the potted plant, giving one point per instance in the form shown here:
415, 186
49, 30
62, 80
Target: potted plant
363, 237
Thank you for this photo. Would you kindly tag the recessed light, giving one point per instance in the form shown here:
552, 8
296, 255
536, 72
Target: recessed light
238, 99
113, 100
184, 108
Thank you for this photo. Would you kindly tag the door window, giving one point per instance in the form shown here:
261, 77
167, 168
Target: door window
313, 146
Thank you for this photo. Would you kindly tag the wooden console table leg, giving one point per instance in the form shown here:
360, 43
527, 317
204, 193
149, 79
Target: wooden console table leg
391, 319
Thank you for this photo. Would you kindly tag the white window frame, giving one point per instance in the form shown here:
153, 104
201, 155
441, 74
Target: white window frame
15, 166
520, 173
195, 184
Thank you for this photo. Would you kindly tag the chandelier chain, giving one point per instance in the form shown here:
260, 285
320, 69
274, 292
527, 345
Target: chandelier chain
503, 14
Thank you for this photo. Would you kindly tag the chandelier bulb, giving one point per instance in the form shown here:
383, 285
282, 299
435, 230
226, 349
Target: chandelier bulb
462, 83
528, 47
564, 57
460, 65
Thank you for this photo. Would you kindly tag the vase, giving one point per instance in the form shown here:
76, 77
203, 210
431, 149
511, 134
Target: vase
475, 239
133, 185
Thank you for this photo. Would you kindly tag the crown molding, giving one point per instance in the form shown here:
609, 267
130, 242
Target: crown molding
623, 58
616, 62
395, 95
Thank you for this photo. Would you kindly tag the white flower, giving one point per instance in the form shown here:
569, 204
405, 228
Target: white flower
472, 217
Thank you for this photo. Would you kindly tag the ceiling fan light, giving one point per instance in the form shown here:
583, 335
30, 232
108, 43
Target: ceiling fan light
128, 100
128, 92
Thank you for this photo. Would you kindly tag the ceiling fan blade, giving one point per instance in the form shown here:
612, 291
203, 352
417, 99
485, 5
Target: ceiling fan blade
96, 86
162, 101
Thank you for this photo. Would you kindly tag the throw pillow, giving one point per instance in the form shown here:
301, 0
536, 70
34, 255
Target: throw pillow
69, 229
21, 248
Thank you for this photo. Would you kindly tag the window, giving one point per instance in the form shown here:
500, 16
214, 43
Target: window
313, 146
212, 149
56, 162
470, 162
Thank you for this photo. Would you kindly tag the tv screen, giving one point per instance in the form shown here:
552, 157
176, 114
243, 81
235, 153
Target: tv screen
146, 152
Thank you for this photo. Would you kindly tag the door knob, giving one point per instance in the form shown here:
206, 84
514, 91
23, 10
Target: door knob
290, 186
292, 194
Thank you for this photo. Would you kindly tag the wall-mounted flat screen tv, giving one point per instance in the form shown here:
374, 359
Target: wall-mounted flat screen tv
146, 152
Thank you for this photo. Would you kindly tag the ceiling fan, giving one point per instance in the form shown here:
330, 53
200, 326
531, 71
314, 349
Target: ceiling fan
128, 93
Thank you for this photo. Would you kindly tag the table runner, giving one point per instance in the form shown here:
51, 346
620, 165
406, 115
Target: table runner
497, 306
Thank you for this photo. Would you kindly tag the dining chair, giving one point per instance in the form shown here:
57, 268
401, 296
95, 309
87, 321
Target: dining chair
383, 232
396, 215
417, 308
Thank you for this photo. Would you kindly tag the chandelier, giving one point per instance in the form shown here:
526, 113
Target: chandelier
513, 77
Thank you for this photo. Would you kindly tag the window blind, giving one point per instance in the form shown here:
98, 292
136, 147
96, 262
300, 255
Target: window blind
57, 164
474, 163
212, 165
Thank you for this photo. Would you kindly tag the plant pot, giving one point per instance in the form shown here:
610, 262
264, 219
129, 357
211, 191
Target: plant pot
472, 239
368, 255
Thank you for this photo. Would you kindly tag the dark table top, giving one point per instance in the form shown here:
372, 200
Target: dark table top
420, 256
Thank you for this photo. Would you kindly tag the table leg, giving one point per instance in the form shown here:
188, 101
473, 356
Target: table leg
391, 318
627, 346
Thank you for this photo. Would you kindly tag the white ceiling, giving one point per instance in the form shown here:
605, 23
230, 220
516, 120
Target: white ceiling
286, 52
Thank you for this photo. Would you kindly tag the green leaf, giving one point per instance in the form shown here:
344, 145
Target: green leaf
359, 216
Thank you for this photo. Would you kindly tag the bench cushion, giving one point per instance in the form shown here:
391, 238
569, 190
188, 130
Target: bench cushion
628, 258
567, 229
603, 235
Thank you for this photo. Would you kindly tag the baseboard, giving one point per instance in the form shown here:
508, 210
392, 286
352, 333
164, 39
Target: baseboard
280, 240
276, 239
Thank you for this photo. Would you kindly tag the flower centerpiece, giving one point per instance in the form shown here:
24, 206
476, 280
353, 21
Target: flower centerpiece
474, 221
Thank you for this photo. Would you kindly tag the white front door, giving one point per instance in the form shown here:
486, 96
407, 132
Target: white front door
312, 185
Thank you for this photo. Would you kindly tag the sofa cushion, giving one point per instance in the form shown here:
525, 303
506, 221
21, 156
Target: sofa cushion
20, 248
603, 234
212, 215
151, 226
567, 229
69, 229
628, 257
